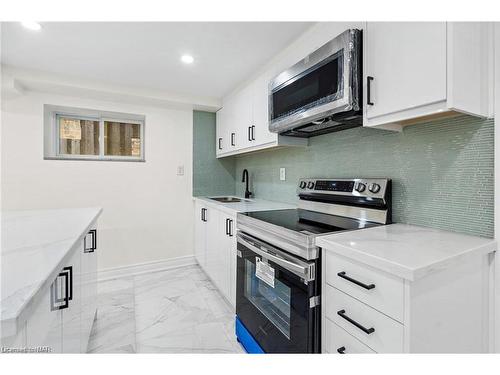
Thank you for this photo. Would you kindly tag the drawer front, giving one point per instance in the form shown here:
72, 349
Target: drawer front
379, 290
371, 327
337, 340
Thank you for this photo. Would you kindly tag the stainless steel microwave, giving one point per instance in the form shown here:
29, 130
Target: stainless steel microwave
322, 92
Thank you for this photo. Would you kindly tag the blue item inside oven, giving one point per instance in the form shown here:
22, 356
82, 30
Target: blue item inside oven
246, 339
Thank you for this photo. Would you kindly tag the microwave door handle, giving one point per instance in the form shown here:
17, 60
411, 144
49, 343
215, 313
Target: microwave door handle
298, 269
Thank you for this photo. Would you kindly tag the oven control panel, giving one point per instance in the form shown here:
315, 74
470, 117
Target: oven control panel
361, 187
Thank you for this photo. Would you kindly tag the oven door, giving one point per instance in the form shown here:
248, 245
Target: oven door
275, 298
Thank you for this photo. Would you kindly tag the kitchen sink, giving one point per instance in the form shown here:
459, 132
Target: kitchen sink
227, 199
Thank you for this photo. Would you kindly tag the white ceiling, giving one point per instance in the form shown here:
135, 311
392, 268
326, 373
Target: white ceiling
148, 54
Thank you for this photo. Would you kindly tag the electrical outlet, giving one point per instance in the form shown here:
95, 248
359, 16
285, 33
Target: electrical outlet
180, 170
282, 174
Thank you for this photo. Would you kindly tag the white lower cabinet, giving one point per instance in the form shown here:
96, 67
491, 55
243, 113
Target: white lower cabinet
368, 310
215, 247
200, 233
369, 326
63, 312
339, 341
89, 287
44, 328
72, 315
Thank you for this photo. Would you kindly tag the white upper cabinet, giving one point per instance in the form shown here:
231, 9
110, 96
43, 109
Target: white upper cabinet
420, 70
412, 72
242, 118
242, 122
260, 111
407, 62
222, 121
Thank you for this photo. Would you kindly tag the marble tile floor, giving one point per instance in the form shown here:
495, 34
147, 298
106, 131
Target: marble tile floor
173, 311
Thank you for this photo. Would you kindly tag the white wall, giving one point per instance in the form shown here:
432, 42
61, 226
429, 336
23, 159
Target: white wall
497, 184
313, 38
147, 208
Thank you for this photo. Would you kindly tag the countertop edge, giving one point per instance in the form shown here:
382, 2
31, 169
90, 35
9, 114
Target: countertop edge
23, 314
397, 269
230, 210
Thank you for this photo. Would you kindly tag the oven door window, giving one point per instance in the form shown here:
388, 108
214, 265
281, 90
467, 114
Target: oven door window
272, 302
320, 84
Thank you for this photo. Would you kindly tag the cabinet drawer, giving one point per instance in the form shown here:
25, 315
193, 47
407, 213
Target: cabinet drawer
338, 340
386, 335
380, 290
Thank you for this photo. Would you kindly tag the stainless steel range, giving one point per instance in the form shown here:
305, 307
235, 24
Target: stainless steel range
278, 265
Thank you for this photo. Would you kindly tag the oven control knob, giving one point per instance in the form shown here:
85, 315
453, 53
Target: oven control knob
302, 184
310, 185
360, 187
374, 188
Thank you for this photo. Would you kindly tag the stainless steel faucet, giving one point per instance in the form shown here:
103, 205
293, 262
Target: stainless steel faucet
246, 179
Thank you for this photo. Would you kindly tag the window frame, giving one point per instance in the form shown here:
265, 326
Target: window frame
101, 156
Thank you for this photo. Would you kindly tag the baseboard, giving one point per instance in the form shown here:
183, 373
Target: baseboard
141, 268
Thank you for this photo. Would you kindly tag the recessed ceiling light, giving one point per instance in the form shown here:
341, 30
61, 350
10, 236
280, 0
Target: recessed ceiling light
187, 59
32, 25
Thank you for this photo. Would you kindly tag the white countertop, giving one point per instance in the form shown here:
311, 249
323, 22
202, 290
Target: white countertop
247, 205
407, 251
35, 245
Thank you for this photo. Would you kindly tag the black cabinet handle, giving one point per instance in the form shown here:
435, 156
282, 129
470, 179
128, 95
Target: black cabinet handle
220, 143
227, 227
354, 281
369, 90
355, 323
93, 244
341, 350
250, 133
57, 302
70, 277
253, 132
230, 228
232, 139
203, 214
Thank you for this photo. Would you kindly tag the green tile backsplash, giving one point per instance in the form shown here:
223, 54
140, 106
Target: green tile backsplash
211, 176
442, 171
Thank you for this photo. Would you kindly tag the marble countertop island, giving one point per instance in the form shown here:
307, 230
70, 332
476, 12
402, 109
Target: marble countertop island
407, 251
35, 245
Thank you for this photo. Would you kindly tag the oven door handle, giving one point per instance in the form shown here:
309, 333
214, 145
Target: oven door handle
306, 272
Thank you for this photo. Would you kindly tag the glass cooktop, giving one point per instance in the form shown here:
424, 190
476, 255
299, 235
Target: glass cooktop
309, 222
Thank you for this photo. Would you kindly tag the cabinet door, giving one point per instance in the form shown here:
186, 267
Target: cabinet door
242, 118
72, 316
408, 64
89, 286
260, 110
200, 234
232, 245
44, 327
212, 243
221, 125
221, 256
226, 250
